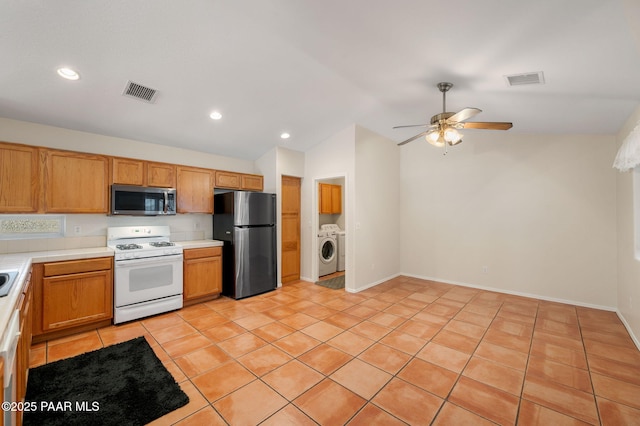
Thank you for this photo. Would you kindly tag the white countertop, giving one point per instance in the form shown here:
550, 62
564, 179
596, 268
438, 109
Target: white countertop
22, 263
200, 243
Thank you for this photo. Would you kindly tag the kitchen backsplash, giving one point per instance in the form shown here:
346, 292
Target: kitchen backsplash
90, 230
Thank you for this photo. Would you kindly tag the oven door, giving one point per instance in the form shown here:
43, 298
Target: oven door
142, 280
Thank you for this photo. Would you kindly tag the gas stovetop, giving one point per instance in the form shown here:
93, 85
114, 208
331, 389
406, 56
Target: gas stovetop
136, 242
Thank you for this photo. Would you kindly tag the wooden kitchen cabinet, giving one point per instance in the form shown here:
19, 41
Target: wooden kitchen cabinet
251, 182
127, 171
75, 182
202, 274
161, 175
195, 189
19, 179
227, 180
71, 294
330, 199
243, 181
24, 343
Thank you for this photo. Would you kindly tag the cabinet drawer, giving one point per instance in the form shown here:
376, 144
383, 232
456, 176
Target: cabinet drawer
77, 266
197, 253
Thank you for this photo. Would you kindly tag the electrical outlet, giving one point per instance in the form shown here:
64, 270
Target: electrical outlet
77, 229
485, 269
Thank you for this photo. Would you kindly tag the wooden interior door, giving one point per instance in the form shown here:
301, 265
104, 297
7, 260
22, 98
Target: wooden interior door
290, 229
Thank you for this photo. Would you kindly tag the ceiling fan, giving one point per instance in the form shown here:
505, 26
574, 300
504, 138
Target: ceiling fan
443, 129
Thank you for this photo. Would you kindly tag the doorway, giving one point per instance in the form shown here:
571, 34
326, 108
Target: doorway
331, 241
290, 220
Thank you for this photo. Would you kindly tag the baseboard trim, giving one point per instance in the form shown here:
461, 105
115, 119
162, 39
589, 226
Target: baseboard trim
516, 293
373, 284
629, 330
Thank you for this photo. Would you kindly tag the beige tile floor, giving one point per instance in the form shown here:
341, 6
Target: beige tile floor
407, 351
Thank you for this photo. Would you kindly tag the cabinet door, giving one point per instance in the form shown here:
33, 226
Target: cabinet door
252, 182
161, 175
195, 190
336, 199
76, 299
228, 180
127, 171
75, 182
24, 343
202, 277
19, 179
325, 199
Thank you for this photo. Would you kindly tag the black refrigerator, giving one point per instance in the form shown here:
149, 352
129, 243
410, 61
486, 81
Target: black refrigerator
246, 222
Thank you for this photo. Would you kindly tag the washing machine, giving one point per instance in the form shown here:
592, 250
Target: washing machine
339, 233
327, 251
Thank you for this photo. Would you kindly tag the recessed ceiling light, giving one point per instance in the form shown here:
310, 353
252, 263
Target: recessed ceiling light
68, 73
285, 136
215, 115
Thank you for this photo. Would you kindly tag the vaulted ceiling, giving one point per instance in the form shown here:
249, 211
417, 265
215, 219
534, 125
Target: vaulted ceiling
310, 67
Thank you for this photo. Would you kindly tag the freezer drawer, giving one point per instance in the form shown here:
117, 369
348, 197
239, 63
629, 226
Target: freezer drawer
250, 262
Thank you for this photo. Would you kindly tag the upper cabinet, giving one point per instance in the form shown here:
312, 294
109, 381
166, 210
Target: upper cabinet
330, 199
228, 180
128, 171
161, 175
75, 182
232, 180
19, 179
252, 182
195, 189
42, 180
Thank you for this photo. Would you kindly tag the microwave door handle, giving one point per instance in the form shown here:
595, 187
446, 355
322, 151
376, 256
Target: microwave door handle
166, 202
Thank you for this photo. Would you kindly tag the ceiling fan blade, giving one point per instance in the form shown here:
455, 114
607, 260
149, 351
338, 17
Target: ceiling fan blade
494, 125
411, 125
413, 138
464, 114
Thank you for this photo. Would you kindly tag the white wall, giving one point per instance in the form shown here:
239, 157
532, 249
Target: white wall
334, 157
628, 266
57, 137
273, 165
536, 210
377, 204
93, 228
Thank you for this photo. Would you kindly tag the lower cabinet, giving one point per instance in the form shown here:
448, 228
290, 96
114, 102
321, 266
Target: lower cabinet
72, 294
24, 344
202, 274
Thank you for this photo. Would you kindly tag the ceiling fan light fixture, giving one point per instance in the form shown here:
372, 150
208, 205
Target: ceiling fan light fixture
452, 136
434, 137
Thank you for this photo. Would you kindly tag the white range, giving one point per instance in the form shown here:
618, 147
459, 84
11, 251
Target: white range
148, 271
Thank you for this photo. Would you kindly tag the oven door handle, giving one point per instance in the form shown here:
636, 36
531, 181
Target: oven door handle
148, 260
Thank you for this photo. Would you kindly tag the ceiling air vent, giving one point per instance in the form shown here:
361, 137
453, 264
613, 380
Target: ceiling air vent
526, 78
138, 91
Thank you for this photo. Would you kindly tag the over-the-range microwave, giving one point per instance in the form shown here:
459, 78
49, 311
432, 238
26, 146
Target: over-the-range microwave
142, 201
